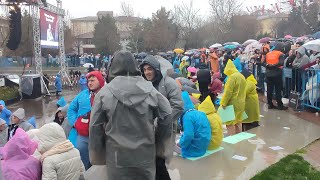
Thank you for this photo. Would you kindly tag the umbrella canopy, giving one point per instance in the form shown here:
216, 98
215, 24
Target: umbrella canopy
142, 54
188, 53
288, 36
231, 43
313, 45
165, 66
253, 46
316, 35
216, 45
230, 46
264, 40
87, 65
178, 50
249, 41
170, 52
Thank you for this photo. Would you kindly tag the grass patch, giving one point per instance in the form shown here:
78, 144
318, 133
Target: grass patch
301, 151
291, 167
7, 93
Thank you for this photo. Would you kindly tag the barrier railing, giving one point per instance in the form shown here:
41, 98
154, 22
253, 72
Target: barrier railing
311, 93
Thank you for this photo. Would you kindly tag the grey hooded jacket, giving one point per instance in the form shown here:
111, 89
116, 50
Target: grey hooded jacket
167, 87
303, 60
122, 123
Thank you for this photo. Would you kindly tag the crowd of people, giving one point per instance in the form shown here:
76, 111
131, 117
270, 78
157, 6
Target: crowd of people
135, 115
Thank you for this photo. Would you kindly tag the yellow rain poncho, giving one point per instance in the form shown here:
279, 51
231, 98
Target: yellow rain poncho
215, 123
234, 92
252, 101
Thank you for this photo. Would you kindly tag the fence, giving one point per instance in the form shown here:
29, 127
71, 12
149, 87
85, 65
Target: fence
304, 83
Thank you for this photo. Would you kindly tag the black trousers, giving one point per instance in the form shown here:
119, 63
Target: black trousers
161, 170
274, 83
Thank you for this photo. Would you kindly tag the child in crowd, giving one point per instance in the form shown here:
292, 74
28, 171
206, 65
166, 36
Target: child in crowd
17, 121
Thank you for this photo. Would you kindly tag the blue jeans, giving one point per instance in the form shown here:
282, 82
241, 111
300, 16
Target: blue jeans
82, 146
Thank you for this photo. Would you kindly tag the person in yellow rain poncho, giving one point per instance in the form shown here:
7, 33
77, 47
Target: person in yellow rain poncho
215, 123
183, 66
252, 107
234, 94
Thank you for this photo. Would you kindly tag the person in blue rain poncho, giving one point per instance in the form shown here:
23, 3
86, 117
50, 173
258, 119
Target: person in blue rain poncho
176, 65
58, 84
196, 130
83, 82
4, 112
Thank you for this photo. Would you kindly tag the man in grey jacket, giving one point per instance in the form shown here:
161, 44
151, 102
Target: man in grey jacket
122, 123
150, 68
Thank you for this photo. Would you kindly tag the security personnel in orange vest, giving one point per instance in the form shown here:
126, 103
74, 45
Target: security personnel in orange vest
274, 63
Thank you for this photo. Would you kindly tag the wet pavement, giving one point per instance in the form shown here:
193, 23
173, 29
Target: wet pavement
219, 165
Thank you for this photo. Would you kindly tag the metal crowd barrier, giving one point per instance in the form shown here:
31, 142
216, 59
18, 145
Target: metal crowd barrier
311, 94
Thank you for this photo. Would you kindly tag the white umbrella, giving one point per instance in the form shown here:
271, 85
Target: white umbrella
216, 45
87, 65
249, 41
165, 66
313, 45
253, 46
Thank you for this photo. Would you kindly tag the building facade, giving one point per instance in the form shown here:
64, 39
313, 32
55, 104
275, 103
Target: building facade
83, 29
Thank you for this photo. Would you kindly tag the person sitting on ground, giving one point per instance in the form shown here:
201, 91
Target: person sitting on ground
3, 132
196, 129
17, 160
59, 158
5, 113
215, 123
17, 121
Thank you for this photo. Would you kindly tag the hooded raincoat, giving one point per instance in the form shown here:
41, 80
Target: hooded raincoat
303, 60
58, 83
83, 82
61, 102
176, 65
215, 123
122, 123
5, 113
60, 160
234, 92
18, 162
252, 107
196, 130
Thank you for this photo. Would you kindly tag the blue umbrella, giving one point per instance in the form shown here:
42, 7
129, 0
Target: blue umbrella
230, 46
316, 35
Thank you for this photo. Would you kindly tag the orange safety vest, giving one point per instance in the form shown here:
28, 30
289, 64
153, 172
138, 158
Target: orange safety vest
273, 57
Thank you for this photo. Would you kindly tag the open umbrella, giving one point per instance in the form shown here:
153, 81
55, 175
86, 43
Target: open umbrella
178, 50
231, 43
165, 66
216, 45
87, 65
249, 41
230, 46
316, 35
253, 46
264, 40
313, 45
288, 36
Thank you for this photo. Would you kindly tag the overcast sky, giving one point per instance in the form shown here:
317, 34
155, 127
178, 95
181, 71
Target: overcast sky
142, 8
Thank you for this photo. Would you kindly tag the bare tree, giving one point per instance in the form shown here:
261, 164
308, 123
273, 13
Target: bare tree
223, 11
126, 9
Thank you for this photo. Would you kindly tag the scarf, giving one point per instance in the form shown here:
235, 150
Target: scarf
65, 146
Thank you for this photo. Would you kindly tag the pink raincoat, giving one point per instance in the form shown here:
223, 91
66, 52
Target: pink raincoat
17, 161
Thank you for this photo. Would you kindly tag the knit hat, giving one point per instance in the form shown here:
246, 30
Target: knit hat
2, 121
19, 113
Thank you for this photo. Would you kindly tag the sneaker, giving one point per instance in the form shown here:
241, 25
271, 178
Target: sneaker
283, 108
